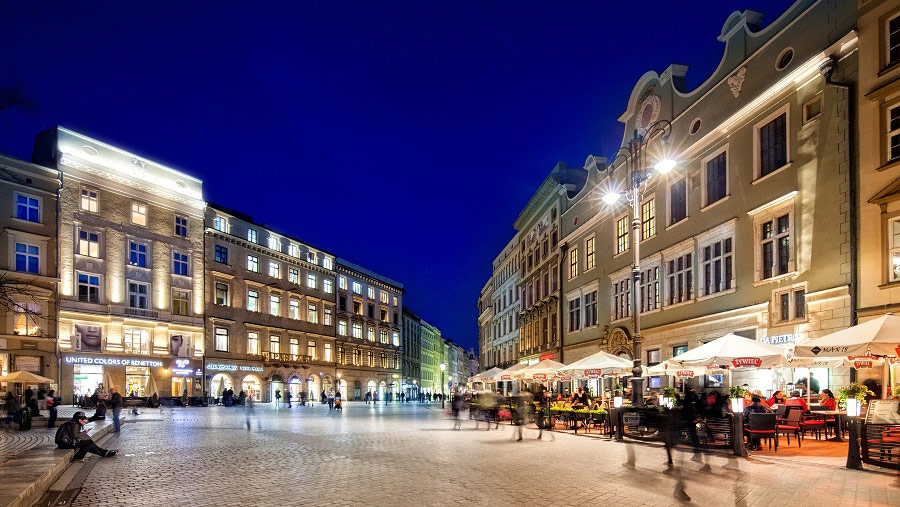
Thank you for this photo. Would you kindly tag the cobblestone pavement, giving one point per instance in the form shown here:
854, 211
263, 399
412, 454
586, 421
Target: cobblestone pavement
13, 442
400, 455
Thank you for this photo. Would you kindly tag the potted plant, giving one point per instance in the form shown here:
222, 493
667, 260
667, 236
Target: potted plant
737, 395
669, 394
852, 397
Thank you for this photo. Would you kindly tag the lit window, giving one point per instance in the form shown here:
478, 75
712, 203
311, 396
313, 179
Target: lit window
397, 301
253, 300
137, 254
383, 297
179, 264
383, 336
89, 200
293, 250
221, 339
312, 314
589, 254
138, 295
327, 285
274, 269
137, 341
357, 288
274, 344
88, 288
370, 293
28, 258
311, 257
181, 226
252, 236
295, 347
342, 327
275, 305
311, 350
294, 309
357, 330
89, 244
370, 334
139, 213
327, 355
573, 263
180, 302
26, 319
253, 343
680, 276
221, 294
293, 275
621, 234
220, 224
775, 244
648, 218
311, 280
396, 338
253, 263
28, 208
327, 320
342, 282
274, 244
326, 262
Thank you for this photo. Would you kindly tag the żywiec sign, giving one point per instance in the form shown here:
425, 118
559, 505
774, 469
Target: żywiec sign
111, 361
739, 362
505, 377
593, 373
539, 376
685, 373
231, 367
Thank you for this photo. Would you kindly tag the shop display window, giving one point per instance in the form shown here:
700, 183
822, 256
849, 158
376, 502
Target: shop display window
136, 380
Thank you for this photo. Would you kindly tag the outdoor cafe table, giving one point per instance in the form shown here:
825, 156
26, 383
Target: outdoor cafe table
838, 423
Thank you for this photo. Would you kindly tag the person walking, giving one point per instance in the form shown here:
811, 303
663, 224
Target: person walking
288, 397
248, 410
277, 398
51, 407
368, 397
331, 399
116, 403
71, 435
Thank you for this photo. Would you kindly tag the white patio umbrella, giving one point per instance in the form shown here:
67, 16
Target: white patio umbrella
25, 377
597, 365
486, 376
540, 371
507, 374
151, 387
733, 351
879, 336
676, 370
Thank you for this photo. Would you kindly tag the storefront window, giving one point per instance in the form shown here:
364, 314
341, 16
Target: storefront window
137, 341
87, 378
180, 385
136, 380
253, 386
27, 317
219, 384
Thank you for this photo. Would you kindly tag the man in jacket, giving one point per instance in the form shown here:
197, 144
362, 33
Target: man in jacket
116, 403
71, 435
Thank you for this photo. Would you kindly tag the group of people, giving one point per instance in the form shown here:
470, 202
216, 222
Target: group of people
20, 414
229, 399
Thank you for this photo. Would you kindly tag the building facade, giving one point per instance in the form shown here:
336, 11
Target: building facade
506, 306
412, 353
538, 229
486, 323
28, 270
878, 106
270, 299
432, 356
130, 269
750, 233
369, 324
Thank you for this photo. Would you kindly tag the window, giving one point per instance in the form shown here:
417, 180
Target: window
653, 357
357, 288
357, 307
789, 304
326, 263
179, 264
311, 257
294, 309
573, 263
327, 353
383, 336
28, 208
89, 244
312, 313
311, 280
253, 263
221, 254
252, 236
590, 309
715, 178
678, 201
220, 224
370, 292
293, 250
327, 320
621, 234
370, 334
274, 244
253, 300
621, 298
893, 133
383, 297
342, 282
89, 200
274, 344
648, 218
371, 309
892, 39
221, 294
327, 285
253, 343
139, 213
678, 350
649, 289
137, 341
275, 305
138, 295
221, 339
717, 266
295, 347
342, 327
274, 269
181, 226
396, 338
680, 277
357, 330
356, 357
26, 319
812, 109
88, 288
180, 301
575, 314
397, 303
137, 254
293, 275
772, 144
775, 245
28, 258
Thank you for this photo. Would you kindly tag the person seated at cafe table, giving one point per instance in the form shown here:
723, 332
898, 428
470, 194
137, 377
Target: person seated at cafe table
756, 407
826, 399
796, 401
777, 398
580, 399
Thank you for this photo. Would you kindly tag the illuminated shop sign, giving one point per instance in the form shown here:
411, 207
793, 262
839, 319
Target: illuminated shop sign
183, 367
779, 339
111, 361
231, 367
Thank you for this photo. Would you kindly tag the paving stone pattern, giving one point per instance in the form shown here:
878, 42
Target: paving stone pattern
13, 442
398, 455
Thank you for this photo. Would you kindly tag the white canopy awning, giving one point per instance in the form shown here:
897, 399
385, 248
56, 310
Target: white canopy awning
597, 365
507, 374
733, 351
879, 336
541, 371
485, 376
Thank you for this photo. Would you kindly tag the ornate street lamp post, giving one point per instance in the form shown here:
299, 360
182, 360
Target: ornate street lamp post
639, 174
443, 367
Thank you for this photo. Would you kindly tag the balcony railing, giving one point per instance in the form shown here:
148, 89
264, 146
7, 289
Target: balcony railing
140, 312
287, 358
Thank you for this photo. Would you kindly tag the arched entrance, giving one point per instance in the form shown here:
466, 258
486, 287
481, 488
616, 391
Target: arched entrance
395, 389
342, 387
295, 386
326, 383
253, 387
357, 390
219, 383
370, 388
382, 390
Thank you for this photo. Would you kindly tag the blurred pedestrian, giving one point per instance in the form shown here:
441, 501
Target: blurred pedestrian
116, 403
288, 396
277, 397
51, 407
248, 410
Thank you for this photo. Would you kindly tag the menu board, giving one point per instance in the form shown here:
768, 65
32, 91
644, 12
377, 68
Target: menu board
883, 412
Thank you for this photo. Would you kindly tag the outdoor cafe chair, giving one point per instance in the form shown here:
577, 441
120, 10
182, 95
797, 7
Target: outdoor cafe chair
763, 426
792, 425
813, 423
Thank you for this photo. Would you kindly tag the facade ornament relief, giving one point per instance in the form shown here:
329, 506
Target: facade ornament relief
736, 81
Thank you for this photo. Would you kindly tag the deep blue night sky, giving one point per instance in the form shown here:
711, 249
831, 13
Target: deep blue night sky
405, 137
